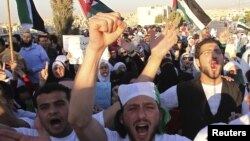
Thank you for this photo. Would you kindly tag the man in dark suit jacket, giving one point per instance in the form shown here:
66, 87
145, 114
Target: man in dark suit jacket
206, 100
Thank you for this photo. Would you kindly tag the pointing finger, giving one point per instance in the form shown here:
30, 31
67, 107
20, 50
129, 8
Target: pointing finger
3, 68
46, 65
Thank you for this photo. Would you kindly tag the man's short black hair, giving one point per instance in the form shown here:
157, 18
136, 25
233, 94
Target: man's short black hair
18, 37
53, 38
2, 42
205, 41
248, 76
48, 88
42, 36
6, 91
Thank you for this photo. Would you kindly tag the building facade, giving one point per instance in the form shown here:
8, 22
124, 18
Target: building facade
152, 15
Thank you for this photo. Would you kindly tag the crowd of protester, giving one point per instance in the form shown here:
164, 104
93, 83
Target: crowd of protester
35, 87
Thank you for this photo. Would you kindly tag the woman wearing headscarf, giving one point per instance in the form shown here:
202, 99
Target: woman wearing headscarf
186, 67
167, 75
120, 74
233, 70
61, 70
104, 71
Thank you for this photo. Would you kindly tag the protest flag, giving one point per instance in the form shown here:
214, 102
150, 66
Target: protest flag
91, 7
10, 32
28, 15
193, 12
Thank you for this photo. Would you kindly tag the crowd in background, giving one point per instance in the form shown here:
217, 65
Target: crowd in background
38, 62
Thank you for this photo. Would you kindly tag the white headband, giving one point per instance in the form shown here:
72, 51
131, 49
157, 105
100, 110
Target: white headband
230, 64
129, 91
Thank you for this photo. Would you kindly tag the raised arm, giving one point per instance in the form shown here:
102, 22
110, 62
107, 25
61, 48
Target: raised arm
8, 118
104, 29
11, 134
159, 48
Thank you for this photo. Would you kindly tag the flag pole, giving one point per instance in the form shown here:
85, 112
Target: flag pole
10, 32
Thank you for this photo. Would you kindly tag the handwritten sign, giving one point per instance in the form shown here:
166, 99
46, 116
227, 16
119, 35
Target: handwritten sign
75, 45
103, 94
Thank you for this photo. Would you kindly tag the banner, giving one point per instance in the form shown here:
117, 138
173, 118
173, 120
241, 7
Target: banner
103, 94
75, 45
193, 12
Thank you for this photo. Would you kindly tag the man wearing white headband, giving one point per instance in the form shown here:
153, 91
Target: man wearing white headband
128, 92
140, 116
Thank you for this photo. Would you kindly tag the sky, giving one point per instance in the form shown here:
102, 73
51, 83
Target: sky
45, 11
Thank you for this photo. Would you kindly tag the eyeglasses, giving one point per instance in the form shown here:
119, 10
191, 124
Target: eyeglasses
210, 52
188, 58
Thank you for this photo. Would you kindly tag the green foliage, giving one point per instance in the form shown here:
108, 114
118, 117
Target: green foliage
242, 20
62, 16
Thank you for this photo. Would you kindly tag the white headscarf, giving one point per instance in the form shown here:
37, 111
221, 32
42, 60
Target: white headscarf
229, 65
57, 63
60, 60
117, 65
100, 77
186, 67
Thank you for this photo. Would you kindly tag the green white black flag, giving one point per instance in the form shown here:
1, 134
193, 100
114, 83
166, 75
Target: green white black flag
28, 15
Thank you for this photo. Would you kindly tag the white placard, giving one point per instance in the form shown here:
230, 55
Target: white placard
75, 45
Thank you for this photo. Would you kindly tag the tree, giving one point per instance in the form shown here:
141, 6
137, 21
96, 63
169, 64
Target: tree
62, 16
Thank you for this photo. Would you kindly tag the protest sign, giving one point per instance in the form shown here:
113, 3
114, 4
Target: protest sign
75, 45
103, 94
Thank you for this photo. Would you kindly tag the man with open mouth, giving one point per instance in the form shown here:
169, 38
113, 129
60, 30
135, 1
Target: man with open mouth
52, 103
208, 99
141, 117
